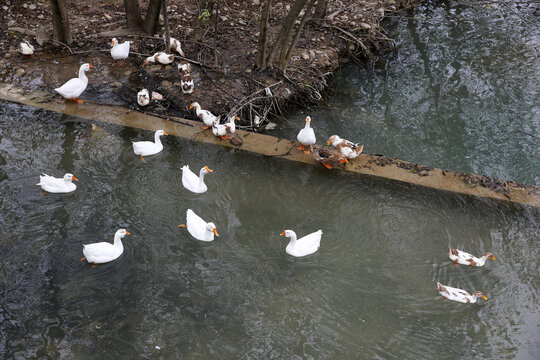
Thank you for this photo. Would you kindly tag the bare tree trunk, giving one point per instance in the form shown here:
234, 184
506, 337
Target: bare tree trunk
167, 30
284, 61
320, 11
133, 14
61, 30
216, 21
198, 23
151, 20
263, 36
286, 30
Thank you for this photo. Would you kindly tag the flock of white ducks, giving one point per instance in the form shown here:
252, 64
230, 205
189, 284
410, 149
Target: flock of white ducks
342, 150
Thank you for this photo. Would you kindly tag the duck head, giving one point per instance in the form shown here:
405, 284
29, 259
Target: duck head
196, 106
70, 177
489, 255
334, 139
212, 228
480, 294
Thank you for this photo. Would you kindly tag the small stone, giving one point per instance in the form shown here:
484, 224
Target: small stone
305, 56
127, 72
224, 18
167, 85
43, 35
41, 17
5, 8
19, 72
363, 25
32, 7
248, 71
256, 2
117, 84
188, 31
25, 5
312, 54
12, 23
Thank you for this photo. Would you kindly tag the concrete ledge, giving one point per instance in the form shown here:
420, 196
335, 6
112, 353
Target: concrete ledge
374, 165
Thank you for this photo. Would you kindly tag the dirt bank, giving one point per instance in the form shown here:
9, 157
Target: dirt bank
223, 63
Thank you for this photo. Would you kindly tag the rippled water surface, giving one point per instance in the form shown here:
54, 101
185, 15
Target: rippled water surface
462, 92
369, 292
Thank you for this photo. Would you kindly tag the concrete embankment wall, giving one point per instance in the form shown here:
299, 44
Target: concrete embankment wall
373, 165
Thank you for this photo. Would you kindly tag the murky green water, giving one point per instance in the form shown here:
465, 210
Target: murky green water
456, 95
369, 292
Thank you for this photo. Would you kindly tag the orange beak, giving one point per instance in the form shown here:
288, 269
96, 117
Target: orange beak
190, 107
329, 142
90, 66
208, 169
215, 232
112, 43
492, 257
484, 297
128, 233
164, 133
144, 63
283, 233
74, 178
237, 118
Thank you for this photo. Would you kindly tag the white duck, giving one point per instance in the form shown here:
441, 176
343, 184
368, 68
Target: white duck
159, 57
306, 136
176, 46
146, 148
74, 87
26, 48
198, 228
57, 185
143, 97
347, 148
193, 182
464, 258
104, 252
225, 130
460, 295
120, 51
206, 116
303, 246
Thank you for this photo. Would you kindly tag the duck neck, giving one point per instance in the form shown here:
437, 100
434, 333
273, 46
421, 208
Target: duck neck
82, 75
156, 139
482, 260
118, 241
293, 238
201, 176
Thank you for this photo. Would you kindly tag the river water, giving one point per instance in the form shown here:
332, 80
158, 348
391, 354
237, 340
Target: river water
369, 292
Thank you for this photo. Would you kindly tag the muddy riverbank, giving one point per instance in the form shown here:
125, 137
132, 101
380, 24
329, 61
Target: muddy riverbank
223, 63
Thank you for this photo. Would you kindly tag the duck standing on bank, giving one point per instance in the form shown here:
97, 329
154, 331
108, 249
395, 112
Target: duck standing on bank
327, 156
147, 148
225, 131
460, 295
176, 46
347, 148
159, 57
193, 182
143, 97
306, 136
204, 115
464, 258
104, 252
50, 184
198, 228
186, 80
120, 51
74, 87
26, 48
304, 246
